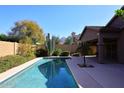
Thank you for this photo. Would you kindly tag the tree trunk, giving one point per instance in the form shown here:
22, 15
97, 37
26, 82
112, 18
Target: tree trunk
84, 61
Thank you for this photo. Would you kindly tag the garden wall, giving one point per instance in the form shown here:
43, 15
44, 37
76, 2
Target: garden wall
11, 48
8, 48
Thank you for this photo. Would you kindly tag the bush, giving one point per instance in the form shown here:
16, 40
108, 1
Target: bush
65, 53
26, 50
41, 52
57, 52
11, 61
76, 54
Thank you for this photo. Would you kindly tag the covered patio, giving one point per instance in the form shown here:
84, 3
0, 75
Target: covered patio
108, 40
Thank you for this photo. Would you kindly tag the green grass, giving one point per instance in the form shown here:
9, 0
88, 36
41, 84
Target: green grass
11, 61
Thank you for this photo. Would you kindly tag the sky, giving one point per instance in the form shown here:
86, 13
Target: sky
57, 20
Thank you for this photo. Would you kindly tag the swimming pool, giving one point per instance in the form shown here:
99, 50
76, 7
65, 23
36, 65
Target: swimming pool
45, 73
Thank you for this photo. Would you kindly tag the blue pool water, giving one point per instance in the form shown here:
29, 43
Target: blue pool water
45, 73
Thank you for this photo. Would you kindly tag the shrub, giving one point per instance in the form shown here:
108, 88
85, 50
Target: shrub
26, 50
10, 61
76, 54
57, 52
41, 52
65, 53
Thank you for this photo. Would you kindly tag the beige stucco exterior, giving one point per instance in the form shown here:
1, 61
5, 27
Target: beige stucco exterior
89, 35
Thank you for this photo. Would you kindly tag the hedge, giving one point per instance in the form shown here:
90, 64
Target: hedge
65, 53
11, 61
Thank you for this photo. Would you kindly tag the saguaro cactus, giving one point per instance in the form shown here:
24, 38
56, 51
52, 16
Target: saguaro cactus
53, 43
50, 44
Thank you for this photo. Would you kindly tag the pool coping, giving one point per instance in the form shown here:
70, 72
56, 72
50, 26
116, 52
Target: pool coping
15, 70
74, 76
58, 57
11, 72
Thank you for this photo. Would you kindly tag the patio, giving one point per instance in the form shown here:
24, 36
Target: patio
101, 76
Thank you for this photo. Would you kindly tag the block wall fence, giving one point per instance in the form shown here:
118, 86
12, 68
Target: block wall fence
8, 48
11, 48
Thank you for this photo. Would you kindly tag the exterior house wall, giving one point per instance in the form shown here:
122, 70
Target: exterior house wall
110, 35
89, 35
120, 48
8, 48
107, 49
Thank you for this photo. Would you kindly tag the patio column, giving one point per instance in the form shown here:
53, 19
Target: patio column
100, 48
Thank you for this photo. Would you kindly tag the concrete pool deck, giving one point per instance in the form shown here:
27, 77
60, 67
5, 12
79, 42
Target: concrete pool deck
101, 76
9, 73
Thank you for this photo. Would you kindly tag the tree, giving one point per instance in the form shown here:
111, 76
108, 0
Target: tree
3, 37
12, 38
68, 40
73, 34
27, 33
84, 50
120, 13
30, 29
57, 40
25, 47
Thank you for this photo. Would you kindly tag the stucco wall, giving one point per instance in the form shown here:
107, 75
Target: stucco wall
120, 48
11, 48
8, 48
89, 35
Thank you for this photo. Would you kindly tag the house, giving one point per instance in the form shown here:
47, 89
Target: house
108, 40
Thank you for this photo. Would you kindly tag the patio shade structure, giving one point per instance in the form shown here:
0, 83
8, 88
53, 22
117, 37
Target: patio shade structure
108, 40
